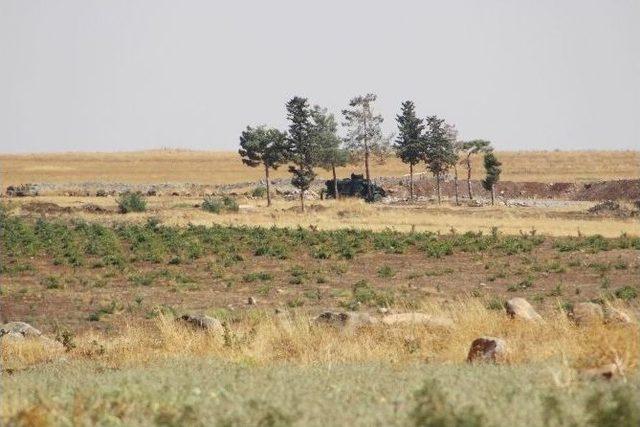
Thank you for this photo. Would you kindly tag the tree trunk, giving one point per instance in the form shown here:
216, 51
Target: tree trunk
366, 168
266, 173
410, 181
302, 200
335, 183
438, 186
469, 177
455, 181
366, 157
493, 195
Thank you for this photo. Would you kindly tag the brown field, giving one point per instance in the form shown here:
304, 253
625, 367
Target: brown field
209, 167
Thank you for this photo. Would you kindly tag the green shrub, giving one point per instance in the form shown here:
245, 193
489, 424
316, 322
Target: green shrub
131, 202
216, 204
626, 293
230, 204
259, 192
386, 271
212, 204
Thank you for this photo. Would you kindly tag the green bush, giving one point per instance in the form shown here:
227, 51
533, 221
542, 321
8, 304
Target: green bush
131, 202
259, 192
230, 204
626, 293
212, 204
216, 204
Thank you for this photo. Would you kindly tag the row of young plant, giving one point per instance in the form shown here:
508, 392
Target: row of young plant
80, 243
312, 141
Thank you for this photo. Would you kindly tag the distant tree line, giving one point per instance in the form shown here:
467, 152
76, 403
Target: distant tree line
312, 141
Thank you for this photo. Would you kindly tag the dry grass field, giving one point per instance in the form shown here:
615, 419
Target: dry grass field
209, 167
110, 289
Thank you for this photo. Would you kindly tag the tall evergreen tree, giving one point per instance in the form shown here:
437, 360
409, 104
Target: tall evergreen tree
470, 148
300, 145
263, 146
364, 134
408, 144
493, 170
327, 144
439, 153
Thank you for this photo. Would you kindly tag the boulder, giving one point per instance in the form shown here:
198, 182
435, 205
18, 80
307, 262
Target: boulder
520, 308
19, 328
21, 331
417, 319
349, 320
587, 313
615, 315
487, 349
204, 322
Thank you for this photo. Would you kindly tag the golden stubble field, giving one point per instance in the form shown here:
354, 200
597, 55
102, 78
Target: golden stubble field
212, 167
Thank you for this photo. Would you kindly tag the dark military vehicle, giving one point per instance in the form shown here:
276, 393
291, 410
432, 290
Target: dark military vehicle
356, 186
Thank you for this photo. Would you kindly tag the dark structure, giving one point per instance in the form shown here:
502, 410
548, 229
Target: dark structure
356, 186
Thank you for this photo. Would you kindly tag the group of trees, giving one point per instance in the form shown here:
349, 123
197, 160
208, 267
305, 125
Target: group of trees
312, 141
435, 142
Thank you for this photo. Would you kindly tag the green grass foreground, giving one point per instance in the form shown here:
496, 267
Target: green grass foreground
206, 392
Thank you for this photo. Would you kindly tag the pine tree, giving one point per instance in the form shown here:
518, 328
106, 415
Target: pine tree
470, 148
263, 146
493, 170
300, 145
409, 142
439, 153
364, 135
328, 153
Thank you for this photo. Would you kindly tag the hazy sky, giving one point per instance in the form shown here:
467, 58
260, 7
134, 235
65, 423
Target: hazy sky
131, 74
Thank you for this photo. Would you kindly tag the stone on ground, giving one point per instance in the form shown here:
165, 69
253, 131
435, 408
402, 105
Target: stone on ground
587, 313
350, 320
520, 308
201, 321
487, 349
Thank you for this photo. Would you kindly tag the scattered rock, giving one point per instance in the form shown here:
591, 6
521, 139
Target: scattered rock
417, 319
349, 320
22, 190
587, 313
487, 349
201, 321
614, 315
520, 308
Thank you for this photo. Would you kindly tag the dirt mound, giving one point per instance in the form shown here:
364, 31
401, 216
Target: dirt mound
624, 189
610, 208
628, 189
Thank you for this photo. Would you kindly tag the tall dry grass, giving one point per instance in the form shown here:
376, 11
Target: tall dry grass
260, 338
211, 167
